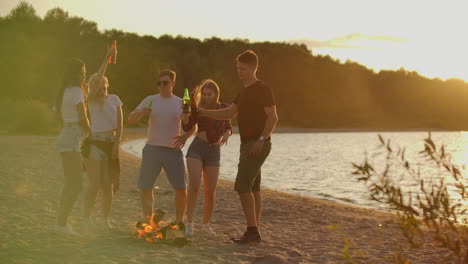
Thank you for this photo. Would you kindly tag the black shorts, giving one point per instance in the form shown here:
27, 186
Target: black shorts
249, 172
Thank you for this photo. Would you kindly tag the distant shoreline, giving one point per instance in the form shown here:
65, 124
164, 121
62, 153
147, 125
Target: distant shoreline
325, 130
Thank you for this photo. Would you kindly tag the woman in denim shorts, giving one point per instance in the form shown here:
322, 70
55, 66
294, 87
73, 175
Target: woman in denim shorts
102, 146
203, 155
70, 109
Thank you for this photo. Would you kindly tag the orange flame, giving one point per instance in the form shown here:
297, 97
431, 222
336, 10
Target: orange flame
151, 232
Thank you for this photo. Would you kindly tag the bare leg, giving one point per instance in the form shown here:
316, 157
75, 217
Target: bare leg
147, 202
94, 176
180, 203
248, 204
194, 170
107, 192
72, 169
258, 206
210, 179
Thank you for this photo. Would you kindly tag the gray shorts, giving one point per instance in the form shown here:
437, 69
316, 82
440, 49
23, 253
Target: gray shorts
70, 139
209, 154
249, 173
154, 159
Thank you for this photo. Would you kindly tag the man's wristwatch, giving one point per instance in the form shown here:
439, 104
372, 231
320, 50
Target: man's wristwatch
261, 138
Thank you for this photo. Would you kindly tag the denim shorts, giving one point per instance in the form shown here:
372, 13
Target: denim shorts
156, 158
249, 173
95, 152
209, 154
70, 139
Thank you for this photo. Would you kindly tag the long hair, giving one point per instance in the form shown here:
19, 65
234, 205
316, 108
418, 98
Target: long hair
206, 84
94, 86
71, 77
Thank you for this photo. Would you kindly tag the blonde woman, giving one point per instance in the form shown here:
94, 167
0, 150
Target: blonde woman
204, 153
70, 110
102, 146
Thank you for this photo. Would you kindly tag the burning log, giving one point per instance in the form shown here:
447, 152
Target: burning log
159, 231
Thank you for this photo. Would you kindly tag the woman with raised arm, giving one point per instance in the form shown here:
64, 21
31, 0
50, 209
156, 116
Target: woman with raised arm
102, 146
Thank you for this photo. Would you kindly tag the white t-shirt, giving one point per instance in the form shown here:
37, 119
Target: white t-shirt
71, 97
164, 121
104, 117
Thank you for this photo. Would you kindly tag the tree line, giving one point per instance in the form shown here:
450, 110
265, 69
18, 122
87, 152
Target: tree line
311, 90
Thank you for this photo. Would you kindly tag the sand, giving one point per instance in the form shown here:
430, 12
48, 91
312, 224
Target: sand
295, 229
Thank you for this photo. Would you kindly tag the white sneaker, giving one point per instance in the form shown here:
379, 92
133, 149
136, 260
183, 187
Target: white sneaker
64, 230
206, 228
108, 224
189, 229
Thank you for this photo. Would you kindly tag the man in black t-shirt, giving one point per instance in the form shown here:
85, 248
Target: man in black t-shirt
257, 119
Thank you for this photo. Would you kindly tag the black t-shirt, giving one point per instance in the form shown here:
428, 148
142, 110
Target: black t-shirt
251, 102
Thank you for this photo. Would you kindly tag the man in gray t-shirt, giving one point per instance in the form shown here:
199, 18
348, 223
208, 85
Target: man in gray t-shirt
163, 146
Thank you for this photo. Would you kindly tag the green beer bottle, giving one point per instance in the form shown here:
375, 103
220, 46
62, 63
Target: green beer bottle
186, 101
149, 105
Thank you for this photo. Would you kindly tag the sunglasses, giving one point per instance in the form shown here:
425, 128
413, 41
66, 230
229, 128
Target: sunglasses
162, 83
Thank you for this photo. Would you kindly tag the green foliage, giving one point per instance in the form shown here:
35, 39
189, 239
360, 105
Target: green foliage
431, 211
27, 116
350, 253
310, 90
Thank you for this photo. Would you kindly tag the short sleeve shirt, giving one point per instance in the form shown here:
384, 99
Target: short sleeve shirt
103, 116
164, 121
71, 97
251, 102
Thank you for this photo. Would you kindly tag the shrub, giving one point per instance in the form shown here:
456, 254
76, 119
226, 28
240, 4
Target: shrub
432, 208
27, 116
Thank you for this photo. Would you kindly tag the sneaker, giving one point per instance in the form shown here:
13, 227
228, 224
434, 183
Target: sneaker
107, 223
64, 230
248, 237
189, 229
206, 228
181, 225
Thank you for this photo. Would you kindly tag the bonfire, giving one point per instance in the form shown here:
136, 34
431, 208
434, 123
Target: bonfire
155, 230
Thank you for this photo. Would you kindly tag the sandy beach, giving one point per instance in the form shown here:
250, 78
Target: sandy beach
295, 229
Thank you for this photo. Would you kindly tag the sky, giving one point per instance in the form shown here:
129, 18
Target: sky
429, 36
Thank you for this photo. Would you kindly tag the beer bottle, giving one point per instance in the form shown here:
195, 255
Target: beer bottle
149, 105
186, 101
113, 58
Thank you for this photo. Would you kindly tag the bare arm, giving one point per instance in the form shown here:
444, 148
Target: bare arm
221, 114
180, 140
189, 120
103, 68
84, 121
270, 122
118, 134
191, 132
137, 114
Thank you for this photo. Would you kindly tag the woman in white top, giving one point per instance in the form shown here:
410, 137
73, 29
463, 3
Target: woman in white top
105, 111
70, 109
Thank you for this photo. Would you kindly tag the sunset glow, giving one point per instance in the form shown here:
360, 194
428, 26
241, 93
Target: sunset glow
424, 36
